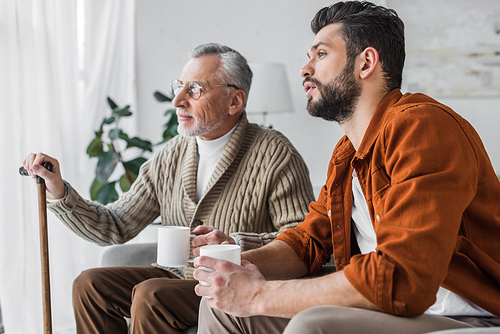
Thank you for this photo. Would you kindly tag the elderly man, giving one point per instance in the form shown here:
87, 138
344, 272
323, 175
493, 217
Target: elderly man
222, 176
410, 209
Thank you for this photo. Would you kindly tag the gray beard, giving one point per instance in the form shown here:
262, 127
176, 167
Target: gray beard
200, 128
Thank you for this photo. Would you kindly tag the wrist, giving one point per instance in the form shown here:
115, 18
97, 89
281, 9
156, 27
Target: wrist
264, 300
54, 197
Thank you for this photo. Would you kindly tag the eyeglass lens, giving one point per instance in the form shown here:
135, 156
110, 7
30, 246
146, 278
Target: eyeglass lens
194, 88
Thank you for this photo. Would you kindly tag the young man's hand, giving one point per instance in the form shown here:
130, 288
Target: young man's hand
233, 289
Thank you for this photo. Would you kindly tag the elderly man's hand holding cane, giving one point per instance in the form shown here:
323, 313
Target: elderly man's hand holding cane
49, 182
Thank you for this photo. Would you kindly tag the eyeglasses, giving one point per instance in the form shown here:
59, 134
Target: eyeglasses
193, 87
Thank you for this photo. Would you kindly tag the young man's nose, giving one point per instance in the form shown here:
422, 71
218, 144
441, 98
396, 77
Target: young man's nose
307, 70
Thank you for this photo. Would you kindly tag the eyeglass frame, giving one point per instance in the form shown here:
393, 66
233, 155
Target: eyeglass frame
190, 88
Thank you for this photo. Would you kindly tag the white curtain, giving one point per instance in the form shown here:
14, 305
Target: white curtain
59, 59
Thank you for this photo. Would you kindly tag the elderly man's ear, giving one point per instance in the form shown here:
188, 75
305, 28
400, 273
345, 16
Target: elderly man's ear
238, 99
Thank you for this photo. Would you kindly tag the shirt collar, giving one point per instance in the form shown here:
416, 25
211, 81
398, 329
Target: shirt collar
379, 119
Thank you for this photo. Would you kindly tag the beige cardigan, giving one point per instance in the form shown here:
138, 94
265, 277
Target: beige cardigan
259, 188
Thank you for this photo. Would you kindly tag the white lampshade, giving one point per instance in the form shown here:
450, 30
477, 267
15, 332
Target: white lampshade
270, 91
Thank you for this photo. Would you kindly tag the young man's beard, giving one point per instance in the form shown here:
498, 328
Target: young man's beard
338, 97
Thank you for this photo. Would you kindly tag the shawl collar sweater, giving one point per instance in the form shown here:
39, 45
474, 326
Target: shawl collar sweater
259, 188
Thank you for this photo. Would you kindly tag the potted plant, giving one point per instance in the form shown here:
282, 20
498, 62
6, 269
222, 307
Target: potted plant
108, 146
170, 127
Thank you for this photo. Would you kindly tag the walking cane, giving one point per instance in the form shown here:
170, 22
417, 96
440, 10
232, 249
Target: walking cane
44, 247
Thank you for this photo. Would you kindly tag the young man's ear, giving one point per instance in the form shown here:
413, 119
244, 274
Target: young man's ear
237, 101
368, 62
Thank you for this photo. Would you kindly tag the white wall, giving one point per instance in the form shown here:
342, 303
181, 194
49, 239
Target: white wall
271, 30
452, 55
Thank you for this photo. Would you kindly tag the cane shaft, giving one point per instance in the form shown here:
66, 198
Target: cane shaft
44, 251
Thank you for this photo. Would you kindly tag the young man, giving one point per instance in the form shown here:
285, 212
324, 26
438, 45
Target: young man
410, 209
221, 176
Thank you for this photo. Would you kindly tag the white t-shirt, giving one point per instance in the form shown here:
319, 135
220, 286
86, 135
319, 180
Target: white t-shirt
447, 303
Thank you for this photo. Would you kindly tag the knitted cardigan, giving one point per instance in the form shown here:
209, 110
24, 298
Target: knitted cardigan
259, 188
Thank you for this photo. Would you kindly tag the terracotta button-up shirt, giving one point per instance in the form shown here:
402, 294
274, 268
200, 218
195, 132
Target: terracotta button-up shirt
434, 201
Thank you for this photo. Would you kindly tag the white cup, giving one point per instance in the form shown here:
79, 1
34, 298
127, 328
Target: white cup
228, 252
173, 246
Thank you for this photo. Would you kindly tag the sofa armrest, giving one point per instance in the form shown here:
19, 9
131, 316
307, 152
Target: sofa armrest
142, 254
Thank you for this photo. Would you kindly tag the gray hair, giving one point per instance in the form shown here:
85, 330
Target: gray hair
234, 68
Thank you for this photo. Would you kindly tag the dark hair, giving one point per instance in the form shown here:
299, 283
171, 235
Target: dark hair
364, 24
234, 68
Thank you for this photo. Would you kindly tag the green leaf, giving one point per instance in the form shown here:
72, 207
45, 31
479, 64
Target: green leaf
173, 131
106, 165
112, 103
170, 128
169, 111
172, 122
134, 165
123, 112
109, 120
126, 183
138, 142
96, 188
114, 133
167, 135
95, 147
108, 194
162, 97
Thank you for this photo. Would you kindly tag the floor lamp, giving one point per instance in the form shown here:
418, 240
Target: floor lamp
270, 91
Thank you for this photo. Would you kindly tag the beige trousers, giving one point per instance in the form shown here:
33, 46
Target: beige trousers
322, 320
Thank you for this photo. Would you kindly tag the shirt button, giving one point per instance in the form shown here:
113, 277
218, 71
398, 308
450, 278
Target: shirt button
378, 218
340, 265
329, 213
338, 226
